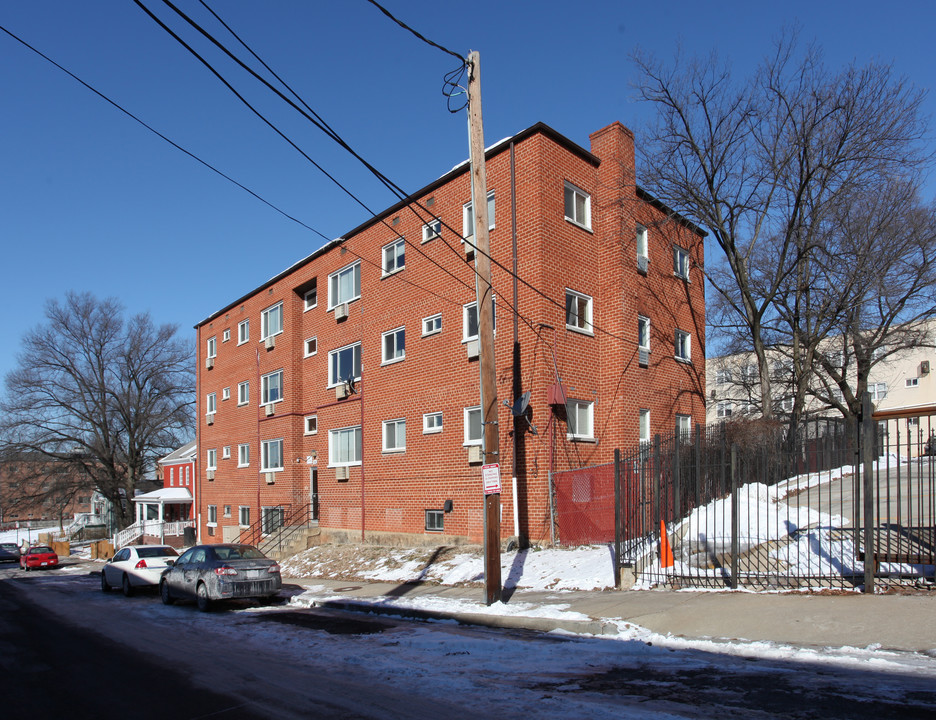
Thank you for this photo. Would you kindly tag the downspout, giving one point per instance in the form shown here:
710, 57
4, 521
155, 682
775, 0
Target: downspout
197, 479
259, 396
516, 329
362, 417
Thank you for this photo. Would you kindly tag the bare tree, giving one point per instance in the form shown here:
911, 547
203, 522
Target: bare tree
99, 395
762, 162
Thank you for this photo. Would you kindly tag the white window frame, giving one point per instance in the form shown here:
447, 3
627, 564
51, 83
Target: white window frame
468, 216
333, 436
243, 455
574, 192
466, 309
243, 393
684, 425
225, 393
313, 342
644, 427
586, 328
310, 425
574, 409
265, 387
243, 515
274, 311
643, 333
398, 350
722, 377
642, 239
226, 335
310, 294
682, 346
226, 452
724, 409
879, 391
393, 257
213, 346
212, 516
680, 262
432, 423
243, 331
432, 325
355, 350
468, 412
211, 404
396, 425
211, 459
265, 455
334, 285
431, 230
910, 382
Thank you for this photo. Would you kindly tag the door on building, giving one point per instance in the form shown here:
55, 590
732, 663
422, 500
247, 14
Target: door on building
313, 494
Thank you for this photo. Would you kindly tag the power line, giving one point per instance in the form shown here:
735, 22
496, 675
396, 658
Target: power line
421, 37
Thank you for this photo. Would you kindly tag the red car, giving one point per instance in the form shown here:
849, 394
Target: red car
38, 557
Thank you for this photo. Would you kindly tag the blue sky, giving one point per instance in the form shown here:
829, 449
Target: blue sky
90, 200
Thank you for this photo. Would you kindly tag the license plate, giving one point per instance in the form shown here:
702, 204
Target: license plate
45, 563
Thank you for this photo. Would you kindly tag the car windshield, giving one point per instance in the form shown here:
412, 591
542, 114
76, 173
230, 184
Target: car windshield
148, 552
41, 549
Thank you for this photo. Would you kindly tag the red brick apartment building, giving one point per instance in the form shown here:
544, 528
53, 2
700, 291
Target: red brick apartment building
604, 329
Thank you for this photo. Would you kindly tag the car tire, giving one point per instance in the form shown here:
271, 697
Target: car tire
164, 595
126, 586
201, 597
104, 586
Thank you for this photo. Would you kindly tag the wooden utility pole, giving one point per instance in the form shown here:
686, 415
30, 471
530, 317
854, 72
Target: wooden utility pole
485, 307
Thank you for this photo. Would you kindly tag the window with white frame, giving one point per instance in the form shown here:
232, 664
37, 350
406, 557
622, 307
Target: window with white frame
226, 393
394, 435
394, 257
243, 515
723, 377
749, 373
243, 455
680, 262
471, 323
213, 346
683, 346
212, 514
644, 427
474, 428
188, 478
310, 298
271, 455
211, 404
911, 382
431, 230
226, 452
344, 285
243, 393
578, 311
243, 332
211, 461
879, 352
432, 325
343, 364
393, 344
879, 390
468, 216
344, 446
724, 409
432, 423
271, 387
642, 248
226, 335
580, 419
271, 321
435, 520
311, 424
311, 347
684, 426
577, 206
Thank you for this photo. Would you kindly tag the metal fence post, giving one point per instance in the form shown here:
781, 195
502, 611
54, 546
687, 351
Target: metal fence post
735, 540
867, 462
617, 518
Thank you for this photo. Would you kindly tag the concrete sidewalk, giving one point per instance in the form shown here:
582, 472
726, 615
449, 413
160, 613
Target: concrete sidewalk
893, 622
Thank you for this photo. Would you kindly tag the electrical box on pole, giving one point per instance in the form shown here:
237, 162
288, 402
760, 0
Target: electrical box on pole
485, 306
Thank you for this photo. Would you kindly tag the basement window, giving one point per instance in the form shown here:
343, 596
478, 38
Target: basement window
435, 520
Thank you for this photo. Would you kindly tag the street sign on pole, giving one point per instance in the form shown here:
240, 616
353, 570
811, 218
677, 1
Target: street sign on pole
490, 476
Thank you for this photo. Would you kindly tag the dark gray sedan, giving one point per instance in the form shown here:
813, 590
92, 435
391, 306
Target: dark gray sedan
208, 573
9, 552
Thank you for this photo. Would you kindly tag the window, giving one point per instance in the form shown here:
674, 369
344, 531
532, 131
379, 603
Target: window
271, 455
644, 427
749, 373
243, 455
311, 425
226, 393
187, 470
432, 423
910, 382
470, 322
578, 312
394, 257
271, 321
680, 262
243, 515
723, 377
879, 390
724, 409
468, 216
879, 352
243, 393
271, 519
580, 416
643, 333
394, 346
243, 332
684, 426
435, 520
432, 325
431, 230
343, 364
211, 462
226, 452
226, 335
394, 435
344, 285
271, 387
211, 404
577, 206
641, 244
311, 347
683, 346
212, 514
344, 446
227, 511
310, 298
473, 425
212, 347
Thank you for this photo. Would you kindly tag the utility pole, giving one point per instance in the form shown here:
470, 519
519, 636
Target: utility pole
485, 307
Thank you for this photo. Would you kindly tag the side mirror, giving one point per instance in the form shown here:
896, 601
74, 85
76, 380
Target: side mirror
170, 563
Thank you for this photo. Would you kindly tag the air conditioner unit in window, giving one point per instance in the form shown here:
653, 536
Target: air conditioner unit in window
642, 263
643, 357
270, 342
474, 454
209, 363
474, 349
342, 473
209, 474
341, 312
270, 478
269, 409
341, 391
469, 250
209, 418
